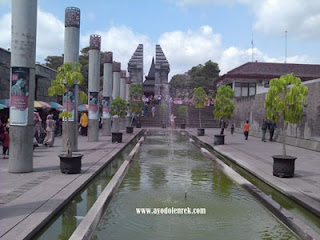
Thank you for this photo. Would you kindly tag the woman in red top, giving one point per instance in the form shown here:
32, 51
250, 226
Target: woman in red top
246, 130
5, 143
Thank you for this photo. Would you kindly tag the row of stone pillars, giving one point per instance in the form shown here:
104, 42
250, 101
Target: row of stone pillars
23, 52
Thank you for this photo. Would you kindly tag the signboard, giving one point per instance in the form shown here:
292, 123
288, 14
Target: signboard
93, 105
19, 96
106, 107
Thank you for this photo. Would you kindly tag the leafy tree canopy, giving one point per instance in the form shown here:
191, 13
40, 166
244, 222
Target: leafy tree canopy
118, 107
135, 96
223, 107
55, 62
283, 99
198, 76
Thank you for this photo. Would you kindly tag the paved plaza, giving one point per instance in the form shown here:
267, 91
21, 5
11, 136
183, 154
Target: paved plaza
28, 200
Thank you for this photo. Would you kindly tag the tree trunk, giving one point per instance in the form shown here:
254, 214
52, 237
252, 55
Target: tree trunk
200, 117
284, 138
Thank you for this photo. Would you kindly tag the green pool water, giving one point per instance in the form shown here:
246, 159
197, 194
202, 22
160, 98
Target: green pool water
169, 172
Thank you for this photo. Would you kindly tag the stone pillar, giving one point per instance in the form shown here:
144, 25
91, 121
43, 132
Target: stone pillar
71, 54
123, 82
116, 93
107, 93
116, 80
22, 82
128, 84
93, 88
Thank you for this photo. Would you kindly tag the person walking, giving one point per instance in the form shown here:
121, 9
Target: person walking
172, 117
84, 124
272, 127
232, 129
49, 139
153, 110
246, 130
146, 111
264, 129
5, 142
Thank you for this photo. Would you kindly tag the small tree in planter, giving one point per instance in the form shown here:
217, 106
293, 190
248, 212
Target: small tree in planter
66, 75
199, 99
163, 112
119, 108
182, 112
224, 108
135, 101
285, 98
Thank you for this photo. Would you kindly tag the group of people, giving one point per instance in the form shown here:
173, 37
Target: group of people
49, 130
266, 124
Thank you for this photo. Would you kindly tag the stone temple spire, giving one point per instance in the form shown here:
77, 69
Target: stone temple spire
135, 65
161, 73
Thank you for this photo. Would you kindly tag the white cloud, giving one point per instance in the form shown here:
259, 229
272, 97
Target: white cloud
5, 31
186, 49
301, 18
234, 57
122, 41
50, 34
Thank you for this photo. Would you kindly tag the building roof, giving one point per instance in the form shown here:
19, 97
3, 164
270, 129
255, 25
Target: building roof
152, 71
265, 70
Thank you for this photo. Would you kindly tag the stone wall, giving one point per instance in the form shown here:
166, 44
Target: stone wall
5, 57
43, 77
304, 134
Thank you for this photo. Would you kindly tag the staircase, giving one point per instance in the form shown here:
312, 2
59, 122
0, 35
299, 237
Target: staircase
192, 119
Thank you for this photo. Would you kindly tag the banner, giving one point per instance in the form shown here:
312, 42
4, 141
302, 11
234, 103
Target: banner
19, 96
106, 102
93, 105
69, 103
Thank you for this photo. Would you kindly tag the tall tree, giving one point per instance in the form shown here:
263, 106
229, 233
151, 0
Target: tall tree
198, 76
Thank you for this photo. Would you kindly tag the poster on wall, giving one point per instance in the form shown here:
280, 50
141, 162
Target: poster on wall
93, 105
69, 103
106, 107
19, 96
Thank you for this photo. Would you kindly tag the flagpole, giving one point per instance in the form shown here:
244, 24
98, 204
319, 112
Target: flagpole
285, 46
252, 46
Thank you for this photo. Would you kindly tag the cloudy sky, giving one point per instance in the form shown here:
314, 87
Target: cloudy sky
190, 32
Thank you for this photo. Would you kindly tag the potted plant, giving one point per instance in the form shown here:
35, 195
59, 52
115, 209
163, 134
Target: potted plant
223, 108
163, 112
136, 104
119, 108
199, 99
182, 113
66, 75
285, 99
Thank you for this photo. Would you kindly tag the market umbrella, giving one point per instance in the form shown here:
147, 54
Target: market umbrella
40, 104
2, 106
83, 108
5, 102
57, 106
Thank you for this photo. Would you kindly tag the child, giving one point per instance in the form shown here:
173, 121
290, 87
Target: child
5, 143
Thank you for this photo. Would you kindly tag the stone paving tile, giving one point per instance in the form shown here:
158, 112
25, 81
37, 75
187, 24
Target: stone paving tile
28, 200
256, 156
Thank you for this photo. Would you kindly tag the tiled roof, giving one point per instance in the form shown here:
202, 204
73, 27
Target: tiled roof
264, 68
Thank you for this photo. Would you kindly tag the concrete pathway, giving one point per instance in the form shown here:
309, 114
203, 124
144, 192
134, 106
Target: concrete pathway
256, 157
29, 200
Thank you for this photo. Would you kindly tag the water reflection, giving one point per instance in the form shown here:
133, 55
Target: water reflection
231, 213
